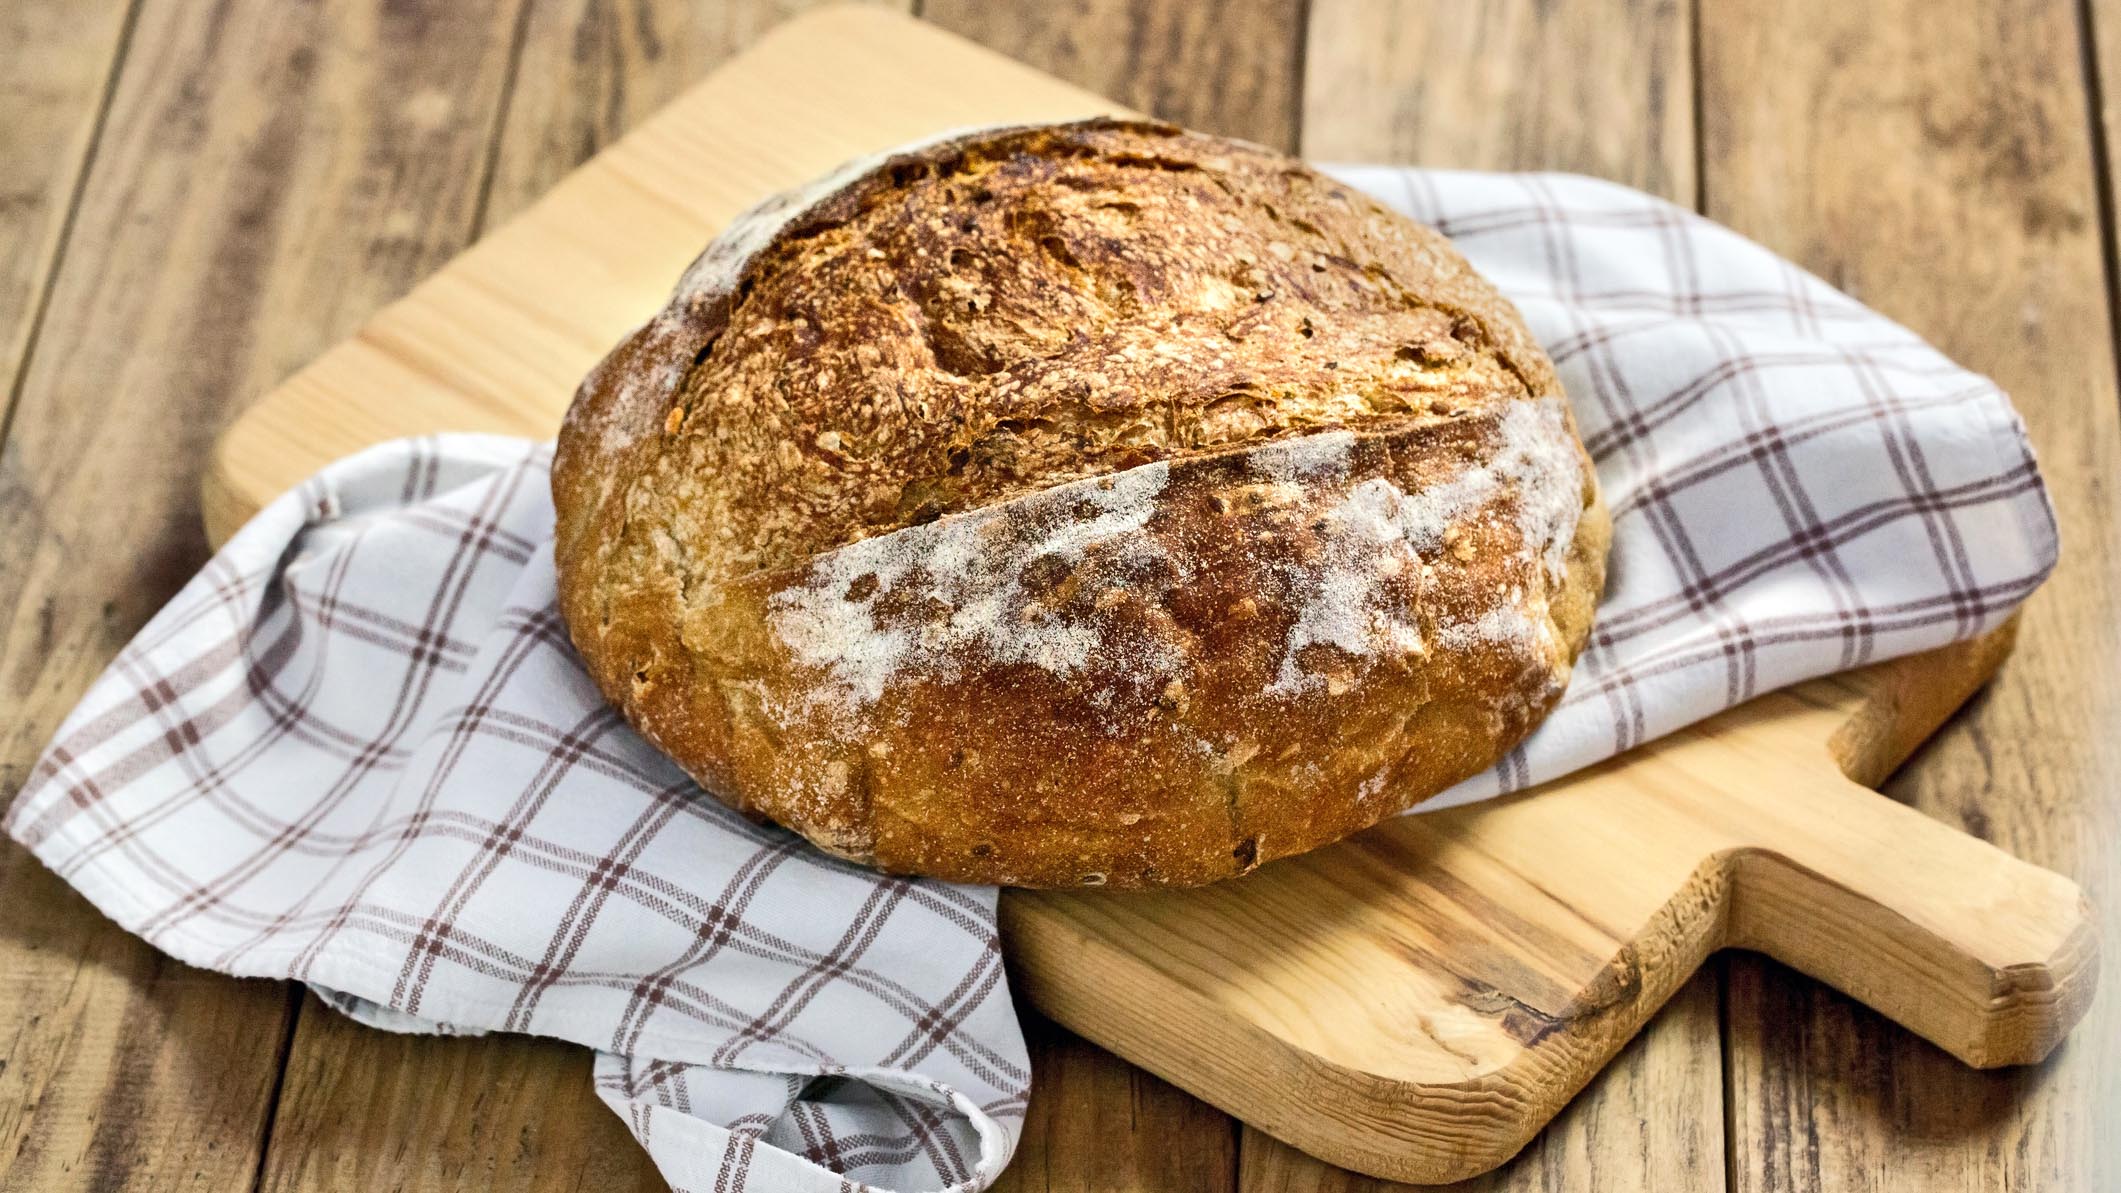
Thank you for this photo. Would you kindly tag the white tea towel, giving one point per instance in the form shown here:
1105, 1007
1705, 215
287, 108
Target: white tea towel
358, 751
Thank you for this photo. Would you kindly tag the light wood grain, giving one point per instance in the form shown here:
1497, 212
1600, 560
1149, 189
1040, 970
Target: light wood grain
1412, 1002
1652, 1120
1230, 67
268, 173
1941, 170
1601, 89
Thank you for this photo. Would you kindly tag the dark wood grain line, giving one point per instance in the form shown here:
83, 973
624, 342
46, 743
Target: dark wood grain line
40, 301
295, 992
1700, 198
490, 165
1229, 68
2095, 100
1729, 1118
1299, 72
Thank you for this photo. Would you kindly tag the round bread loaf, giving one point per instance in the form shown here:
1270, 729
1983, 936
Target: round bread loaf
1090, 504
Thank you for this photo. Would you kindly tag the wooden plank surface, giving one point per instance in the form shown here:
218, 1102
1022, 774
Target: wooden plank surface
57, 63
1579, 85
1096, 1122
1231, 67
364, 1109
589, 70
1948, 179
267, 174
1591, 86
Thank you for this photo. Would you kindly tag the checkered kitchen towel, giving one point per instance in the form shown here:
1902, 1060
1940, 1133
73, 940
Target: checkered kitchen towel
357, 750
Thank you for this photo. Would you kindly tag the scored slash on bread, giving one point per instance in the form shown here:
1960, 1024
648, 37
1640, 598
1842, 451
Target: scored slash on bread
1088, 504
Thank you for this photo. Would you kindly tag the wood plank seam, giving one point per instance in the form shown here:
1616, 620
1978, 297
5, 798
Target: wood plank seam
1719, 968
1299, 47
1724, 1038
279, 1083
40, 302
490, 161
2102, 164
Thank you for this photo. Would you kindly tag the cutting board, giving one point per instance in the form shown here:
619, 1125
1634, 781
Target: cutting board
1415, 1002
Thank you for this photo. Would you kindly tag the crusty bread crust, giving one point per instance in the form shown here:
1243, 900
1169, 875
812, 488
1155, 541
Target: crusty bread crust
1090, 504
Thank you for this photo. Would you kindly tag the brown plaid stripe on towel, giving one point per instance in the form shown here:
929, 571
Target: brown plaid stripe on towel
357, 750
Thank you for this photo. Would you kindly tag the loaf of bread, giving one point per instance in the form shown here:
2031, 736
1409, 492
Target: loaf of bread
1078, 505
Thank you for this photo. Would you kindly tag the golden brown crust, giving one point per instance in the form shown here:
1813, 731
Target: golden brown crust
1094, 503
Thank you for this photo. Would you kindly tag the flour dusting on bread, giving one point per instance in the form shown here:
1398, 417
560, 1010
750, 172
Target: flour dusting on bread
1379, 531
1507, 625
1363, 547
1537, 461
1322, 456
924, 602
1096, 503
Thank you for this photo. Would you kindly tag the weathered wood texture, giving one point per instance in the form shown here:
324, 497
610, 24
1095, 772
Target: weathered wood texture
1230, 68
267, 175
1934, 159
364, 1109
591, 69
57, 63
1589, 86
1097, 1122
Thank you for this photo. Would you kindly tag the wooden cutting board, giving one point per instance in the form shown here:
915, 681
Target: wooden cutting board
1415, 1002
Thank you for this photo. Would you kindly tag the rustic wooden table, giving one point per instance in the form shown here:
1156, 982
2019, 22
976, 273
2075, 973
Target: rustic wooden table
200, 196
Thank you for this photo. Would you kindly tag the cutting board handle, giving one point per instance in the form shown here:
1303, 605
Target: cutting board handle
1990, 958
